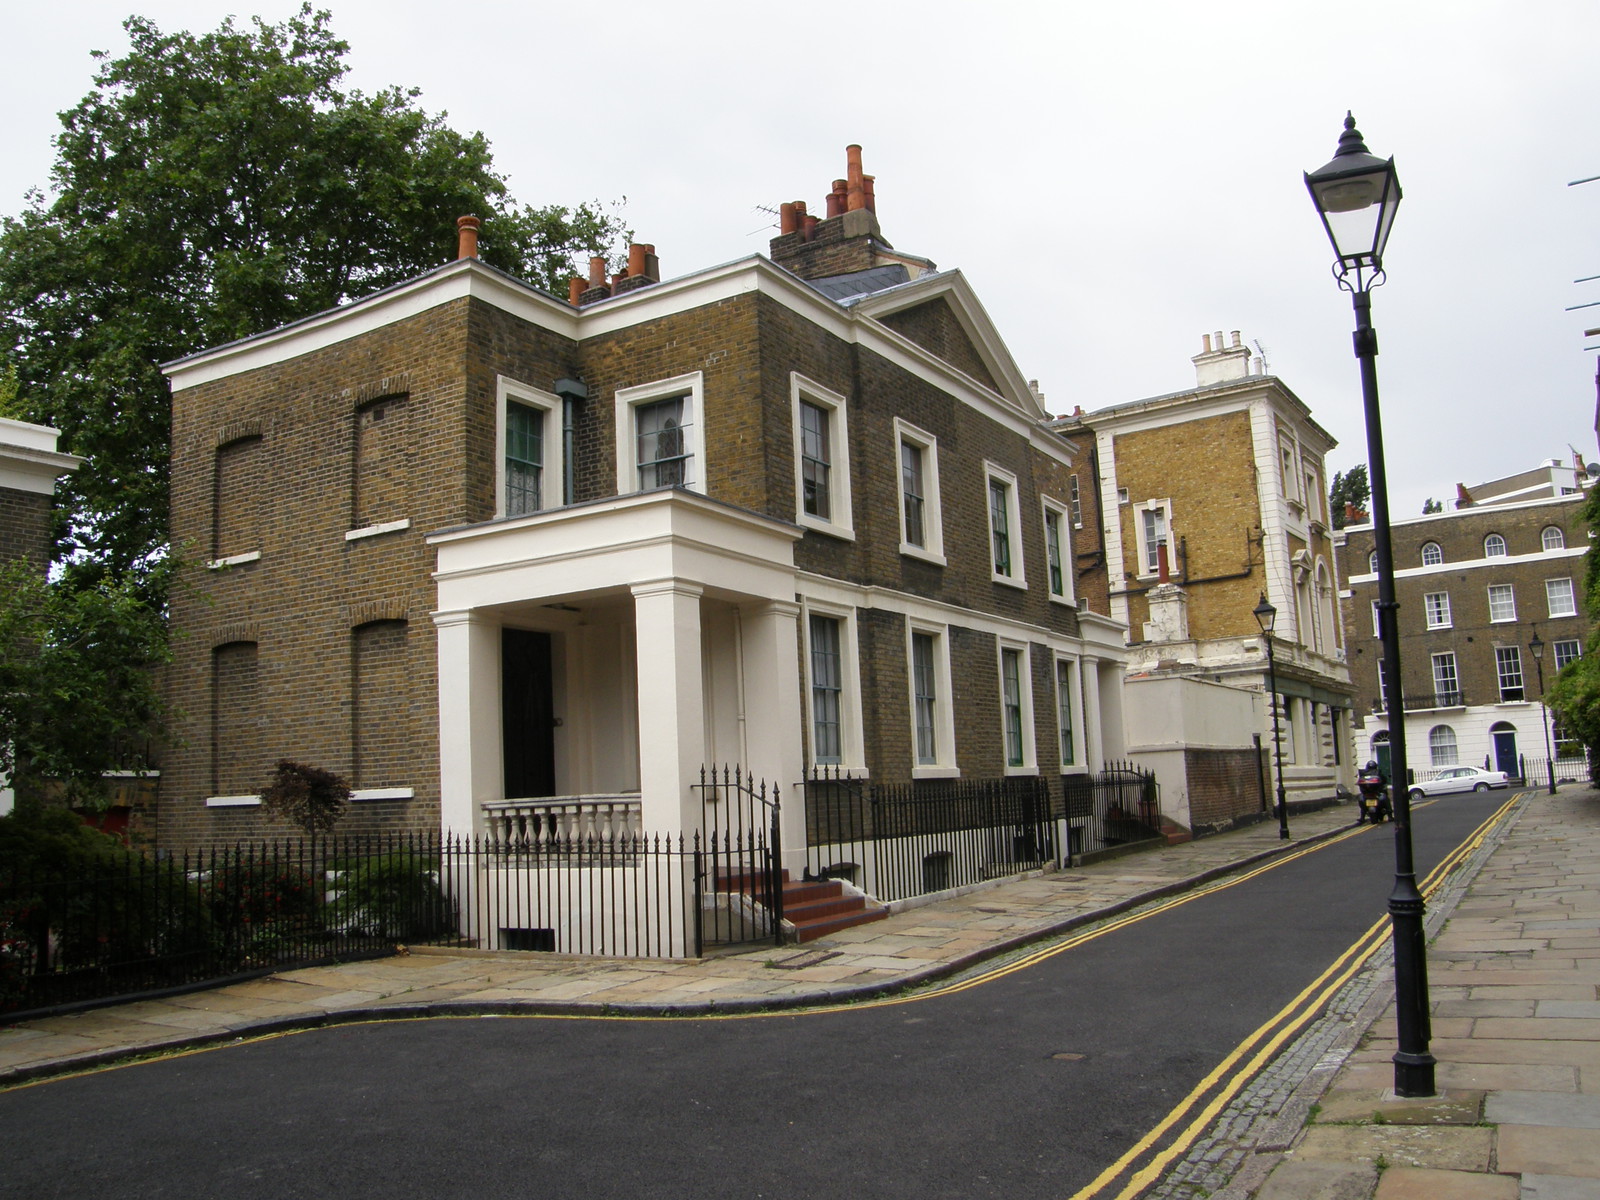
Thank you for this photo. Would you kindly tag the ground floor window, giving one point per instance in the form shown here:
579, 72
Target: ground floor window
1442, 746
827, 689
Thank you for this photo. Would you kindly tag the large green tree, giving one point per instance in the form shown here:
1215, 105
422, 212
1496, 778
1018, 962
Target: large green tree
1574, 694
1348, 487
210, 187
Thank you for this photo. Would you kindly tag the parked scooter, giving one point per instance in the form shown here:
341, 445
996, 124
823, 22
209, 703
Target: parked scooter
1375, 792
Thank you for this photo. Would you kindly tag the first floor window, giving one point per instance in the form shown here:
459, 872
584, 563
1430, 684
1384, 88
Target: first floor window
1566, 652
815, 461
1442, 746
1000, 526
1558, 592
913, 504
1502, 602
524, 459
827, 689
1155, 536
1508, 666
1446, 686
924, 688
1064, 712
1437, 607
1011, 701
664, 456
1053, 537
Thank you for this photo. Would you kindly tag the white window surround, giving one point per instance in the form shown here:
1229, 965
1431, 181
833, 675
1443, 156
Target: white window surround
839, 523
232, 801
1147, 552
628, 399
1054, 508
944, 726
932, 548
1560, 598
992, 474
1030, 758
852, 752
233, 560
367, 531
552, 470
1436, 606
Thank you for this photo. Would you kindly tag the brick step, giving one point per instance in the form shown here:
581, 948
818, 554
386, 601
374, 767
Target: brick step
799, 911
811, 930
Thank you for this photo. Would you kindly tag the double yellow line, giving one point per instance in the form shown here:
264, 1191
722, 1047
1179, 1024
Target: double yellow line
1148, 1158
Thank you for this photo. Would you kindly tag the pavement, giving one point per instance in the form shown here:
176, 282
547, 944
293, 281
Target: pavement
1515, 989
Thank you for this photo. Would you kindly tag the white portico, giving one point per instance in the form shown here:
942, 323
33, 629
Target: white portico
608, 651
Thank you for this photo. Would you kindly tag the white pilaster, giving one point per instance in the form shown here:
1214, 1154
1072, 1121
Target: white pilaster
1113, 736
772, 714
1093, 725
672, 721
470, 766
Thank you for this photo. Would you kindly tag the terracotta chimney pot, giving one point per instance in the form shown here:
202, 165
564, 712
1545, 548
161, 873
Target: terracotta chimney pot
838, 198
597, 271
786, 217
856, 197
575, 289
467, 237
636, 258
808, 228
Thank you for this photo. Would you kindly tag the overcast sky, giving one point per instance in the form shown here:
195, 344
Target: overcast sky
1114, 179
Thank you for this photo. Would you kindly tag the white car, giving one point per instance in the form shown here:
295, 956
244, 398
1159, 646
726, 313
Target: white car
1459, 779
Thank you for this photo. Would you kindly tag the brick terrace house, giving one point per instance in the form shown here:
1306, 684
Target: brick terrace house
30, 464
1213, 497
471, 544
1474, 584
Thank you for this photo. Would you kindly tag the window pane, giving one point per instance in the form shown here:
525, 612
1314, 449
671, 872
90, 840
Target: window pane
1155, 533
1502, 603
911, 493
1437, 606
1075, 503
1508, 666
923, 690
663, 446
1442, 745
1553, 539
524, 459
1000, 526
815, 468
1432, 556
1052, 542
1011, 695
826, 689
1064, 713
1494, 546
1566, 652
1446, 689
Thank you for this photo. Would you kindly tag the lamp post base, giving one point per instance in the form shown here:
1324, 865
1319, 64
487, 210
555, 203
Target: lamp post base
1413, 1074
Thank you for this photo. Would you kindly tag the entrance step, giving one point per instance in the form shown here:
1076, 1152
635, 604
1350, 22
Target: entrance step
815, 907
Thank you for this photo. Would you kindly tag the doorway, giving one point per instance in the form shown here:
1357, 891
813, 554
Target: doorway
527, 714
1505, 749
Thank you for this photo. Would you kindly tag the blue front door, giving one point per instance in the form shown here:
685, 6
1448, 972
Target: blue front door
1505, 752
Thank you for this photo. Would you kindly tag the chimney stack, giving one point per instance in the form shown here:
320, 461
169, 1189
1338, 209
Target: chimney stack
598, 288
644, 268
467, 237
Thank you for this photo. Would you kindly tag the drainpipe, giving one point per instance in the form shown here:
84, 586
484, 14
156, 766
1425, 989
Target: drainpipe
572, 392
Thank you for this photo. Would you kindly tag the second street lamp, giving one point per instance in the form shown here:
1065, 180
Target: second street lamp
1267, 617
1536, 648
1356, 196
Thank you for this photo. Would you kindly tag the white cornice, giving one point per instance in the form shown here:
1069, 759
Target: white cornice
1218, 398
29, 460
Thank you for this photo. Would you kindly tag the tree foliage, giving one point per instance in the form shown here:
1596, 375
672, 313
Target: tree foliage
1348, 487
308, 797
211, 187
1574, 694
1431, 506
78, 685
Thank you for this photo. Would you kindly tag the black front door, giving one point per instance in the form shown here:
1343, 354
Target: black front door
527, 716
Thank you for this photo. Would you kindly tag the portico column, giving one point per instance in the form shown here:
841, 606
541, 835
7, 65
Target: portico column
1093, 748
1113, 736
672, 715
470, 767
772, 714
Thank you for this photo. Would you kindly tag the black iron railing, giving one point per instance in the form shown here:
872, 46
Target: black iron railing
1118, 806
908, 839
739, 876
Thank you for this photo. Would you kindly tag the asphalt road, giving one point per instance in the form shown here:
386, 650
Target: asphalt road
960, 1096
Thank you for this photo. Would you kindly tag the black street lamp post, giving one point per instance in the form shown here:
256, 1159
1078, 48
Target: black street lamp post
1536, 648
1267, 617
1356, 196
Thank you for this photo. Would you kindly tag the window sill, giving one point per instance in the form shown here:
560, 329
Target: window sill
1560, 615
389, 793
1010, 581
936, 772
367, 531
1025, 770
1435, 628
928, 556
1502, 620
233, 560
1064, 601
816, 525
232, 801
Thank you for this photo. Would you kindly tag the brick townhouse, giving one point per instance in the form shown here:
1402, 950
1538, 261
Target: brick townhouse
1474, 585
468, 543
1213, 497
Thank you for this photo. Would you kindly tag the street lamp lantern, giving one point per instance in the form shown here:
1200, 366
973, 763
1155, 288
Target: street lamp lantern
1536, 648
1267, 617
1356, 197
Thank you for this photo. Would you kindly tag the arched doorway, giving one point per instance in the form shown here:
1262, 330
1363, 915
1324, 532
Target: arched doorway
1504, 735
1380, 751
